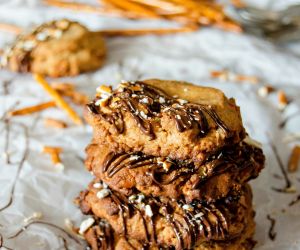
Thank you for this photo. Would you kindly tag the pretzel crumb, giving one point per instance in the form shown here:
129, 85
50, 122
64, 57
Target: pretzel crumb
55, 123
294, 160
265, 91
55, 152
282, 100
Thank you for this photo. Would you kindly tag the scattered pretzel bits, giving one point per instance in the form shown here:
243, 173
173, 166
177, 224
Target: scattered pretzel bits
294, 159
60, 102
225, 75
50, 122
32, 109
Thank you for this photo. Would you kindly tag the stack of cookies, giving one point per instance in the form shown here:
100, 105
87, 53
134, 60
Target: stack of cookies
171, 163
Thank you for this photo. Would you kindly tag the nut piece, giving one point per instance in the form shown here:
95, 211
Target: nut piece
103, 193
294, 159
85, 225
148, 211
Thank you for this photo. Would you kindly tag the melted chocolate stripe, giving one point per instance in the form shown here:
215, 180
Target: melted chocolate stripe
211, 221
238, 158
153, 101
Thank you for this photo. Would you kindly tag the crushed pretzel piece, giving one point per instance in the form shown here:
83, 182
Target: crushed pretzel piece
282, 100
50, 122
60, 102
63, 86
250, 79
225, 75
294, 159
54, 153
265, 91
32, 109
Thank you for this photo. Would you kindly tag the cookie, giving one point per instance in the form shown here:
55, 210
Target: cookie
57, 48
165, 118
100, 236
221, 173
168, 223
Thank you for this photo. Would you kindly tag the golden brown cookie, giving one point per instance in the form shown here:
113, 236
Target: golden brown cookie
57, 48
100, 236
167, 223
165, 118
221, 173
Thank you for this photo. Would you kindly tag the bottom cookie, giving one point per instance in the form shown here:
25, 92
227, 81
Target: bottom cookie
167, 223
101, 237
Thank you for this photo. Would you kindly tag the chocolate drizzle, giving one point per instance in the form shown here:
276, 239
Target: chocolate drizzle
164, 171
288, 183
146, 104
101, 236
188, 221
295, 201
271, 233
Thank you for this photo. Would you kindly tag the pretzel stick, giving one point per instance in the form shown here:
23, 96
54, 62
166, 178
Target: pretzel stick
50, 122
104, 10
127, 5
230, 26
10, 28
161, 4
62, 86
294, 159
139, 32
68, 90
60, 102
32, 109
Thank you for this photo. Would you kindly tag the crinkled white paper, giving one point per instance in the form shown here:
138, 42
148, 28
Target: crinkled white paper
41, 188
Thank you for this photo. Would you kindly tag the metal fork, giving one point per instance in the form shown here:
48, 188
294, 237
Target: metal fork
278, 26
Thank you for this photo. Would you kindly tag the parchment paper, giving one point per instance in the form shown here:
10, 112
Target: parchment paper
35, 184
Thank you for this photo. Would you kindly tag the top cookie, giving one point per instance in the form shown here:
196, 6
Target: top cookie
57, 48
165, 118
